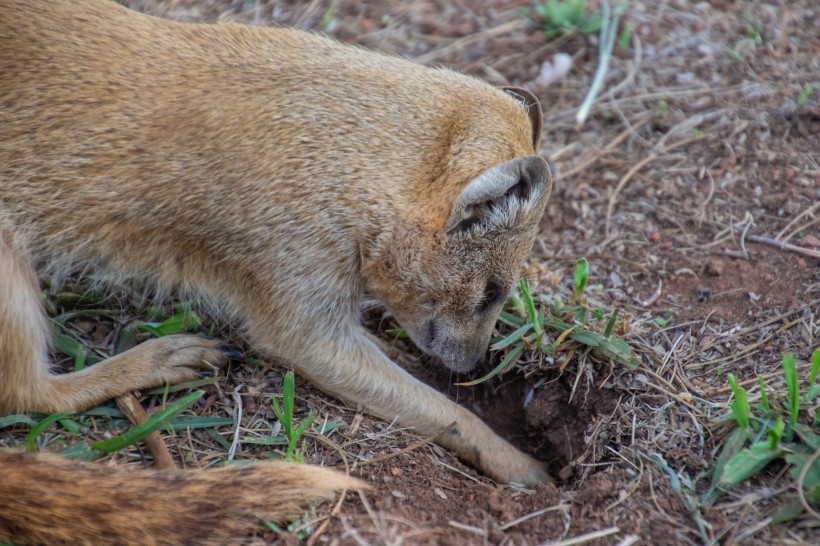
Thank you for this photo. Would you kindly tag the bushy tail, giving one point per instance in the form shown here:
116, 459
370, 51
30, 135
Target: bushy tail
46, 499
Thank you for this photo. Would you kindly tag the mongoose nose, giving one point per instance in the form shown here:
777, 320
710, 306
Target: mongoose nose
473, 360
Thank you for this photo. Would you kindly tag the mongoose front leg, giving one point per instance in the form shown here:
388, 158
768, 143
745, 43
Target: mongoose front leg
352, 367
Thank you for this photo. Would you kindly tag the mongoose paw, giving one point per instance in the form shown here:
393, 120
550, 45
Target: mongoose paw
179, 358
516, 467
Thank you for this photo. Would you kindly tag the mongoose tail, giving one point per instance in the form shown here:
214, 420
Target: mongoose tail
47, 499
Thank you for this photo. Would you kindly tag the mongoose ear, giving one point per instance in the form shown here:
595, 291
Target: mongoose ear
530, 103
525, 180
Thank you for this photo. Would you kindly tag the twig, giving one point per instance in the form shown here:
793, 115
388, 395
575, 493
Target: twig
609, 147
655, 295
804, 227
535, 514
469, 528
784, 246
411, 447
509, 26
132, 409
237, 422
338, 506
583, 539
794, 220
801, 479
749, 223
637, 167
749, 348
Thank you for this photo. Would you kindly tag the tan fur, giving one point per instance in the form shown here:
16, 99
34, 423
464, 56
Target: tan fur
47, 499
278, 174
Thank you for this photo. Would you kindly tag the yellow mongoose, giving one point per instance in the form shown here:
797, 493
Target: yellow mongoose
277, 173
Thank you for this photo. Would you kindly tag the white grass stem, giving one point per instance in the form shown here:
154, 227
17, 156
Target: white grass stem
237, 418
583, 539
606, 44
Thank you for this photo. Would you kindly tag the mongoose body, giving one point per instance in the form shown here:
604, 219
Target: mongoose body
278, 174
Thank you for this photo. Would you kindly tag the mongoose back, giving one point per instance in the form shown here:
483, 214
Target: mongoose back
278, 174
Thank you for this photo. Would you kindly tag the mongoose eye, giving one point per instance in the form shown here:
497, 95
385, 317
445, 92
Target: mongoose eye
492, 296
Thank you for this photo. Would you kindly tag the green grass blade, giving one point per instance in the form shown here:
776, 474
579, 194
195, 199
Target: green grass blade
19, 419
70, 425
529, 302
732, 445
618, 350
740, 404
266, 440
156, 422
788, 512
776, 433
277, 409
81, 451
511, 338
72, 348
103, 411
195, 384
799, 462
36, 430
581, 276
512, 355
814, 388
179, 323
226, 445
516, 305
611, 324
304, 425
194, 421
327, 426
748, 462
808, 436
790, 373
288, 399
514, 321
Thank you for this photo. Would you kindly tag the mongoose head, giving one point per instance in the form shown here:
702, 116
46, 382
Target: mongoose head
453, 282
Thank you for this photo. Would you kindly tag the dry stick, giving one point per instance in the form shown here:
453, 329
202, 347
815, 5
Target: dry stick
671, 395
132, 409
411, 447
640, 165
377, 523
468, 528
784, 246
583, 539
730, 540
804, 227
338, 506
654, 498
503, 28
535, 514
774, 319
796, 219
746, 382
609, 147
747, 349
666, 95
801, 479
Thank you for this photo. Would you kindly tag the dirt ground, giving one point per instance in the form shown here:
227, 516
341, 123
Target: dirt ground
699, 149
